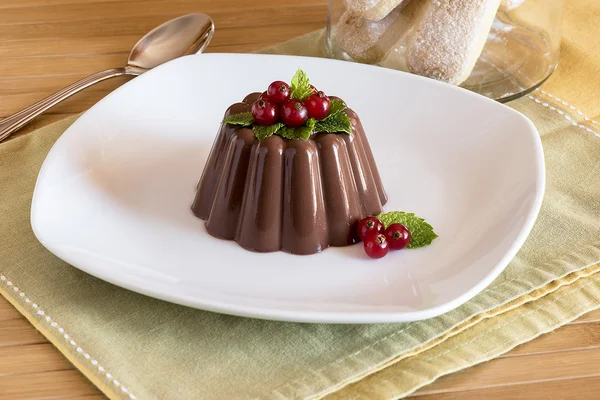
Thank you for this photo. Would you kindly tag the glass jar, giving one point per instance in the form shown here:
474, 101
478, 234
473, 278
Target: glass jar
501, 49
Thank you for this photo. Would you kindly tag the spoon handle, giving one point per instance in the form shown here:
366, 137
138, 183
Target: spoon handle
10, 124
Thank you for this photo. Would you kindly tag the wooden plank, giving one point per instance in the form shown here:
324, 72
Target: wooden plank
15, 67
570, 337
63, 47
19, 332
41, 86
115, 27
88, 64
202, 5
521, 370
59, 47
45, 385
33, 4
15, 99
225, 13
50, 83
20, 92
77, 103
593, 316
253, 35
31, 359
7, 311
581, 388
129, 26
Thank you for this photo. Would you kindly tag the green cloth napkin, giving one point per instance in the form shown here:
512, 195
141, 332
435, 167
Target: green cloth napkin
132, 346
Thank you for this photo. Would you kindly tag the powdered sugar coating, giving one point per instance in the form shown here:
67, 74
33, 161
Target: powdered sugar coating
450, 37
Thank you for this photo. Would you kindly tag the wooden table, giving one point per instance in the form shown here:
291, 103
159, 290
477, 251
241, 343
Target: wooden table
47, 44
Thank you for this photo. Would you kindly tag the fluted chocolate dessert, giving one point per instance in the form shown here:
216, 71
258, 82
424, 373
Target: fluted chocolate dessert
299, 196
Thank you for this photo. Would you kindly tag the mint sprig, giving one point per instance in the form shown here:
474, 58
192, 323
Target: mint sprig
336, 107
263, 132
300, 87
421, 232
301, 133
242, 119
334, 124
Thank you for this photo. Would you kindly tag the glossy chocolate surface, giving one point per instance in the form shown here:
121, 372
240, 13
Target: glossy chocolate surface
299, 196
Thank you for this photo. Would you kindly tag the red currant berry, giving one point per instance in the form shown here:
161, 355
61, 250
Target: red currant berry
398, 236
314, 89
265, 112
376, 246
263, 96
293, 113
369, 226
318, 106
278, 92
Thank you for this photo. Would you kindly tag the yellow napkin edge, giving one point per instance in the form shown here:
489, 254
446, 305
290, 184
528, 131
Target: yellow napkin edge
59, 343
533, 296
563, 293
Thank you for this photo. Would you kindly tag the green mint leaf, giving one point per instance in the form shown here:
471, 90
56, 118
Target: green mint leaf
421, 233
286, 133
300, 88
243, 119
262, 132
335, 124
336, 107
301, 133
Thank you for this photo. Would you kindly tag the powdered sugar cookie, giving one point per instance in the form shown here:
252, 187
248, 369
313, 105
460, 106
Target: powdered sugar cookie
449, 38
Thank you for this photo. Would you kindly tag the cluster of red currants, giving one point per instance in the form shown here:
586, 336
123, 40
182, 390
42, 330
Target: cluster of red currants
378, 240
275, 105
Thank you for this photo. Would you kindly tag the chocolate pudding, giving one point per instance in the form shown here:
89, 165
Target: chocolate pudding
299, 196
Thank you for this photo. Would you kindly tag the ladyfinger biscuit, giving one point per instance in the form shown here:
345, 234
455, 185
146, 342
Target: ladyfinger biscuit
449, 38
369, 41
373, 10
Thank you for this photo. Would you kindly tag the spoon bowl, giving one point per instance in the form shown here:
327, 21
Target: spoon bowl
188, 34
181, 36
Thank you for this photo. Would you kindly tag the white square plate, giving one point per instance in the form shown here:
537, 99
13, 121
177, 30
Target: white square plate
113, 196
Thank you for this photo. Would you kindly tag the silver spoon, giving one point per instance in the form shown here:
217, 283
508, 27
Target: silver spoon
188, 34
